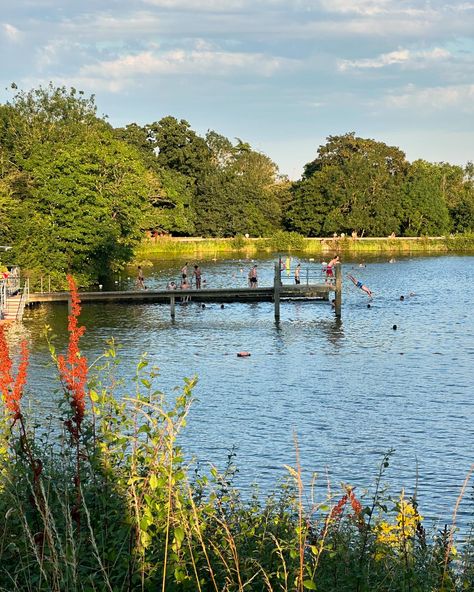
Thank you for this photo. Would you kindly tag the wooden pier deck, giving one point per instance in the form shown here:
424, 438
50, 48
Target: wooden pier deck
275, 293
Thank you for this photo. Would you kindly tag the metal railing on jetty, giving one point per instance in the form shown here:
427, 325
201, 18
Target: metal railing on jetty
320, 290
13, 296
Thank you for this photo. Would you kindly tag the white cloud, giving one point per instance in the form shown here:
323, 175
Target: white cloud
459, 97
11, 32
179, 61
401, 56
199, 5
365, 7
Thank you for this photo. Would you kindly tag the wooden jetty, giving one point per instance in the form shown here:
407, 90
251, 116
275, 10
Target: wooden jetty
276, 293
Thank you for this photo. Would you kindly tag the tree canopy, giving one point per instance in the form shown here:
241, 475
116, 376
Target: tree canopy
361, 185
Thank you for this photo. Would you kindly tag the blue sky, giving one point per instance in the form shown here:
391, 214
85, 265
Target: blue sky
279, 74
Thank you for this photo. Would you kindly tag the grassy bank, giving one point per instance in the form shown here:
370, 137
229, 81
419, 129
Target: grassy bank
101, 498
292, 242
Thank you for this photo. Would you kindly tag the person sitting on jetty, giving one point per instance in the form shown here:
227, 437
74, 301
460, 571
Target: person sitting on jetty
185, 285
171, 286
360, 285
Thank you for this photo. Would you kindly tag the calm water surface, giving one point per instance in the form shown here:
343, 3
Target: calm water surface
348, 390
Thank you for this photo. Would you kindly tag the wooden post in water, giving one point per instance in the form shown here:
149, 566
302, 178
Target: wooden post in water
172, 306
338, 292
276, 290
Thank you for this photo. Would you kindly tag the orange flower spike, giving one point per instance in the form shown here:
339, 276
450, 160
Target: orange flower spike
17, 391
12, 390
336, 512
355, 503
5, 365
73, 367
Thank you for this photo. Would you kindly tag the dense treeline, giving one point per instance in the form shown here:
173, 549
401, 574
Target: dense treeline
76, 194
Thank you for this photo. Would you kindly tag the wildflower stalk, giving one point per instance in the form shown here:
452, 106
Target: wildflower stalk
73, 375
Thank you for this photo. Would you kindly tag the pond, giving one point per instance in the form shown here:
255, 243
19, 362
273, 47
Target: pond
346, 391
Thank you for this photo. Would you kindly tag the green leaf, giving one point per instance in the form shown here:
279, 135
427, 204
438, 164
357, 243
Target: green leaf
179, 534
309, 585
153, 481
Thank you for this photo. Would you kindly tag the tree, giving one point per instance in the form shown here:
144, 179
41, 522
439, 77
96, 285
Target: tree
172, 207
457, 184
240, 193
425, 208
353, 184
179, 147
74, 194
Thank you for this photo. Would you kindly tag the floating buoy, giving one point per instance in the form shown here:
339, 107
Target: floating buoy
243, 354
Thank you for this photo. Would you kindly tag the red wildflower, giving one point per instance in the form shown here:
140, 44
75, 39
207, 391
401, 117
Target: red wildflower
336, 512
73, 367
355, 503
12, 389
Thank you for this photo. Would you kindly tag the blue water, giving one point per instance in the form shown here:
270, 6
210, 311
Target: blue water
346, 391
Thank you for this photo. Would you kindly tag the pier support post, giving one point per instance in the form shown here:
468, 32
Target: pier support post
172, 306
338, 291
276, 290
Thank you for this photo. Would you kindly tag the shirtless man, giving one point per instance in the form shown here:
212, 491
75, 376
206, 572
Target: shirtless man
197, 275
140, 279
329, 268
253, 277
297, 274
360, 285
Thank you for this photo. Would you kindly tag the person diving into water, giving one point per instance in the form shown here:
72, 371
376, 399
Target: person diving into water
360, 285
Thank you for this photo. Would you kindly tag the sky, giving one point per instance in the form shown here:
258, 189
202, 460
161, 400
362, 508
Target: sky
281, 75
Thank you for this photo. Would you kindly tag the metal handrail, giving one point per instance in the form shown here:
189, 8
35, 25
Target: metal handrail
25, 294
3, 297
306, 275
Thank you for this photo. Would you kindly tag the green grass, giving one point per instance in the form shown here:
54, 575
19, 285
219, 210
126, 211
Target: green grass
292, 242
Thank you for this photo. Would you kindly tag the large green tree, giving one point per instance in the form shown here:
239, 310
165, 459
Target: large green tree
240, 193
172, 199
75, 195
425, 206
353, 184
179, 148
457, 186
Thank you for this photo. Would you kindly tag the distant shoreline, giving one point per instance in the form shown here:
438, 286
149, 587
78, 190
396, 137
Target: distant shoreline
287, 242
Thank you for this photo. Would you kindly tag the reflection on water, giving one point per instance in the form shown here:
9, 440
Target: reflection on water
349, 390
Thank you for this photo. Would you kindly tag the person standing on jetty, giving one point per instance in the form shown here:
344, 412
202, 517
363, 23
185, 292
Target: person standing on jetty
197, 276
184, 271
253, 280
330, 266
140, 279
297, 274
